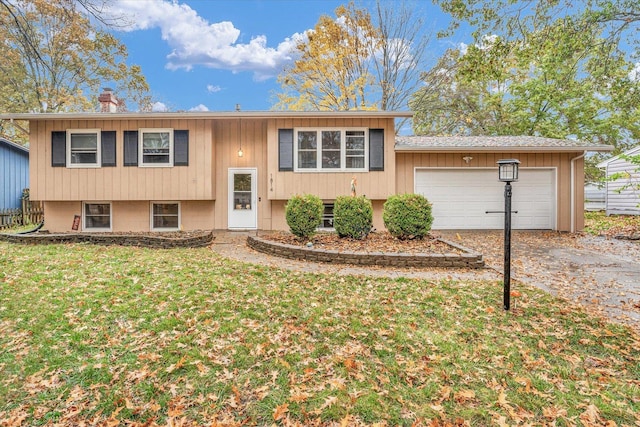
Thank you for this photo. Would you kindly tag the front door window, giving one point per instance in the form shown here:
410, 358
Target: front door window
243, 209
242, 191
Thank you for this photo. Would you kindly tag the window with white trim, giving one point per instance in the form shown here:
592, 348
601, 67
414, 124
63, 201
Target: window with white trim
83, 148
156, 147
330, 150
96, 216
165, 216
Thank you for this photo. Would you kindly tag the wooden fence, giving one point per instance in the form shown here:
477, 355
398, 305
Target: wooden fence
32, 213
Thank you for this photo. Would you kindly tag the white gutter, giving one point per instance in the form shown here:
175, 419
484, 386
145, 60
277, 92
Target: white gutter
207, 115
573, 191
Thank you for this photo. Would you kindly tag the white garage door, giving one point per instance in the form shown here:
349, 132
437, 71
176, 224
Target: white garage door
461, 198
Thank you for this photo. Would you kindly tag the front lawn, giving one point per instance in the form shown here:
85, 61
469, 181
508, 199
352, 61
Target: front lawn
111, 335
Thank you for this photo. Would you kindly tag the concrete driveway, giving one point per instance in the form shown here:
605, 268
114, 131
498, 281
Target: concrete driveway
599, 273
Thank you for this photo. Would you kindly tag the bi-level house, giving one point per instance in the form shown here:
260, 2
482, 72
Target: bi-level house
134, 171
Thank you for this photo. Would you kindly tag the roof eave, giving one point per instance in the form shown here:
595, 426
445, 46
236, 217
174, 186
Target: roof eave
592, 148
15, 146
211, 115
632, 152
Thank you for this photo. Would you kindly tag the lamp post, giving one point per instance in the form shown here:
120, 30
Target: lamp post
508, 173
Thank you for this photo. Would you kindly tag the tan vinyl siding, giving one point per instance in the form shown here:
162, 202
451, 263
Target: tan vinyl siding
326, 185
129, 216
407, 162
227, 135
202, 187
193, 182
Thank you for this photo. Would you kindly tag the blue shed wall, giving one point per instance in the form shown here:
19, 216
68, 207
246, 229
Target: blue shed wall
14, 174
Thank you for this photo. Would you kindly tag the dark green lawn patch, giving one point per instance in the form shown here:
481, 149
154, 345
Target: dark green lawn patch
94, 334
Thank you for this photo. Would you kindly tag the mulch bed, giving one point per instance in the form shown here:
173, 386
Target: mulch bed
379, 241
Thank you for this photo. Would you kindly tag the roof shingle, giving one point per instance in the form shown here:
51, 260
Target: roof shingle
493, 143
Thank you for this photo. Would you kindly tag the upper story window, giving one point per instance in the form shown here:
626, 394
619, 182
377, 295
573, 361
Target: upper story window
330, 150
156, 147
83, 148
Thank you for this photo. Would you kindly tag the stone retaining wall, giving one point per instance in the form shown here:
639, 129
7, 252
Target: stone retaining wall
467, 259
192, 241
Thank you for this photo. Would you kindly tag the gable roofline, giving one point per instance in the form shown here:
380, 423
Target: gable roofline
469, 144
211, 115
603, 164
17, 147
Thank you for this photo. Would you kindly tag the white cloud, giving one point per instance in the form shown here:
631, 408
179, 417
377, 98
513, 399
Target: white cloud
213, 88
199, 107
486, 42
159, 107
195, 41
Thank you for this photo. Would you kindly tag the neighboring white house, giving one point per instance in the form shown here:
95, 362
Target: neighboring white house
623, 194
595, 196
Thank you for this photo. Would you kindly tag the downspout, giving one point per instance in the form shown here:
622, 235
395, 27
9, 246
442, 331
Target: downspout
573, 191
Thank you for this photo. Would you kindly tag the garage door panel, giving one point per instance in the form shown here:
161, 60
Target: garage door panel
461, 198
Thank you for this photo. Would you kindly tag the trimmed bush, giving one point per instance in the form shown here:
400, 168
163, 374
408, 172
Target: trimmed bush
352, 216
304, 215
407, 216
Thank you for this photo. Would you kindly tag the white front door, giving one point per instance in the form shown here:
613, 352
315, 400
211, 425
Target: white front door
243, 207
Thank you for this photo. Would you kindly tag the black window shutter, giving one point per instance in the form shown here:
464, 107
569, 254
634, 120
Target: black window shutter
285, 149
131, 148
181, 148
376, 149
58, 148
108, 141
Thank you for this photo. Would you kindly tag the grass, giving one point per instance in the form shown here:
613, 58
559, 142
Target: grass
598, 223
112, 335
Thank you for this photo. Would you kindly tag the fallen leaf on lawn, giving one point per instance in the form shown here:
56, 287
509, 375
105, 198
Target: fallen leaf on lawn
445, 393
350, 364
280, 411
329, 402
300, 397
552, 413
337, 383
179, 364
502, 399
464, 395
346, 421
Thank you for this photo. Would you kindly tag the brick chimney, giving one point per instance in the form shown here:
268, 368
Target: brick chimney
108, 102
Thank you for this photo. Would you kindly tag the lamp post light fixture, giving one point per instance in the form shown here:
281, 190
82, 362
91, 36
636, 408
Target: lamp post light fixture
507, 173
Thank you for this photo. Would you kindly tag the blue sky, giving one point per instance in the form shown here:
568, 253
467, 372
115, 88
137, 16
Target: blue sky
210, 55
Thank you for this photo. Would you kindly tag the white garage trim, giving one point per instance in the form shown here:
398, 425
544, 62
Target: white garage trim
461, 197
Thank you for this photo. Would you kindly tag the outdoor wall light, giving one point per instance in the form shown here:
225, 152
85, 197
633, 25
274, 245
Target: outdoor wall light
507, 172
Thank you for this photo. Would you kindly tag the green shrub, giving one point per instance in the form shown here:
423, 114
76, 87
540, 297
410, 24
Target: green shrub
352, 216
304, 215
407, 216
